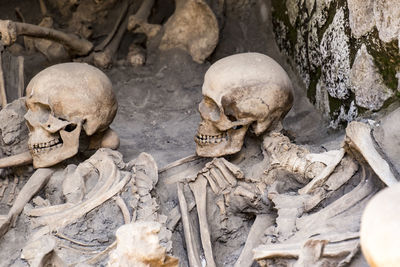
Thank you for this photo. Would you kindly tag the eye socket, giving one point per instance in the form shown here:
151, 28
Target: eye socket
70, 127
232, 118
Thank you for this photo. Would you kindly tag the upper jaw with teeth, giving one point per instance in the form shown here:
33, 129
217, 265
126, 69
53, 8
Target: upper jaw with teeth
211, 139
41, 147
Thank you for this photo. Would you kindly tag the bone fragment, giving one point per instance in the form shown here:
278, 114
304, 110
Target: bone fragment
136, 55
32, 186
105, 42
106, 139
21, 82
28, 42
124, 209
42, 211
104, 58
219, 163
16, 160
358, 137
3, 187
311, 253
3, 94
10, 30
13, 191
223, 184
175, 216
197, 36
233, 168
294, 250
262, 222
43, 7
178, 162
193, 252
241, 191
199, 189
138, 22
41, 252
323, 176
138, 245
214, 187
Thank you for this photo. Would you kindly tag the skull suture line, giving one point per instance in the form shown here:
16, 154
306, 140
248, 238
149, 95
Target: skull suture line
61, 100
240, 91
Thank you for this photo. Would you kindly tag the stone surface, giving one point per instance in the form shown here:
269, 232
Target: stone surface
387, 17
322, 38
13, 130
366, 82
335, 54
361, 16
293, 9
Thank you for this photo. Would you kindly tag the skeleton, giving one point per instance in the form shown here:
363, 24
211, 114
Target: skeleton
305, 188
102, 180
76, 113
60, 110
240, 93
322, 244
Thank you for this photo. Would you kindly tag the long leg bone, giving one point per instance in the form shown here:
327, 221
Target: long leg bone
10, 30
199, 189
193, 252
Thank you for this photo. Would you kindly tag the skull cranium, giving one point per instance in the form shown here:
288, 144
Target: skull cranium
61, 100
240, 91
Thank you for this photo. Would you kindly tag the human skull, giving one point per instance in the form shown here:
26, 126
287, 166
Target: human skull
240, 91
61, 100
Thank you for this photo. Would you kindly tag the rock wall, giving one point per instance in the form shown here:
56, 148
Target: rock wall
346, 51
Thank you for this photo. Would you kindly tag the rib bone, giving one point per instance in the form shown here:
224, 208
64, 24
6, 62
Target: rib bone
199, 189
